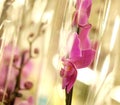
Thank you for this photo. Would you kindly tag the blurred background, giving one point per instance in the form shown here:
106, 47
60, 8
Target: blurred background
48, 23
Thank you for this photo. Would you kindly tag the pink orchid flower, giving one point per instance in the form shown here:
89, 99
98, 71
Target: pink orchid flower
69, 74
80, 55
82, 13
27, 69
4, 68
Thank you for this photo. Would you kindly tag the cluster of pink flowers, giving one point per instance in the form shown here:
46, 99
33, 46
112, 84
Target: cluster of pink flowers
80, 53
14, 80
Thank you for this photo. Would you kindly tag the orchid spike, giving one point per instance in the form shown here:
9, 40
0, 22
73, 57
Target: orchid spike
78, 58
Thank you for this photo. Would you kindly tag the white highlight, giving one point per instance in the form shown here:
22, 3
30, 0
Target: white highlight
114, 32
115, 94
86, 76
105, 67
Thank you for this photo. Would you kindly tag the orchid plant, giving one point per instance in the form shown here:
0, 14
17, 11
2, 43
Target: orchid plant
14, 80
80, 54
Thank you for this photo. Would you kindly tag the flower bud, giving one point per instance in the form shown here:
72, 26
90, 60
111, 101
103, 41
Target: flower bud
28, 85
36, 51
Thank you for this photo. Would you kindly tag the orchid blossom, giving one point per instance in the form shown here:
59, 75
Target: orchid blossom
5, 67
11, 79
16, 64
82, 13
80, 55
69, 74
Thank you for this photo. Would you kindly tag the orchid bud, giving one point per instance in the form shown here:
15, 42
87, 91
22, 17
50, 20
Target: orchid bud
31, 35
28, 85
16, 58
36, 51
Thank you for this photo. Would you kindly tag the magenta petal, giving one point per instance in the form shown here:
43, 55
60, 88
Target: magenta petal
83, 8
69, 68
87, 5
3, 75
69, 81
84, 5
74, 51
84, 38
82, 18
27, 69
88, 10
62, 72
65, 82
69, 74
31, 100
73, 79
85, 60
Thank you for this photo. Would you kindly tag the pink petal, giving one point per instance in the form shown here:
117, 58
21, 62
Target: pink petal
83, 18
88, 10
84, 38
83, 8
80, 18
68, 65
27, 69
74, 41
86, 5
69, 76
85, 60
73, 79
8, 49
31, 100
65, 82
62, 72
3, 75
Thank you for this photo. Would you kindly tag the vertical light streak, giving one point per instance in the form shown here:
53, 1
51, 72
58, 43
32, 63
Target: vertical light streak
103, 73
114, 32
38, 10
105, 67
105, 15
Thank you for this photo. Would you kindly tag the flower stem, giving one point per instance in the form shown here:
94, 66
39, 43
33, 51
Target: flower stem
69, 96
17, 86
78, 30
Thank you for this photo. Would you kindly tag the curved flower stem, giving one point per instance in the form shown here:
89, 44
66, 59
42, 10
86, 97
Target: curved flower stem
17, 86
69, 96
20, 72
